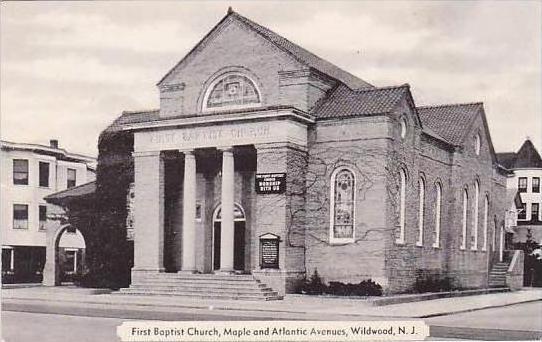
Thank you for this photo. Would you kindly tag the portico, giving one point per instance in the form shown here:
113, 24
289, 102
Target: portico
188, 171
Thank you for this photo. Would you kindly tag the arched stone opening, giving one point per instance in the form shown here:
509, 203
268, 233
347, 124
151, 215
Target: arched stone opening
53, 270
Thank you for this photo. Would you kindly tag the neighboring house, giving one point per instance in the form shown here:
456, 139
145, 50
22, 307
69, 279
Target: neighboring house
524, 186
30, 172
265, 159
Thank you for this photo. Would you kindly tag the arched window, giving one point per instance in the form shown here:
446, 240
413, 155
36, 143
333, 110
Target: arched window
477, 144
402, 197
438, 204
421, 210
403, 127
343, 197
486, 213
474, 231
464, 222
232, 90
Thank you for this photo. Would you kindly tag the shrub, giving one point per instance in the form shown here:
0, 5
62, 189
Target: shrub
315, 286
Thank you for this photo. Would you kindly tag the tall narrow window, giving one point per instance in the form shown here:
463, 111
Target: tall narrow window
43, 217
44, 174
486, 213
522, 184
474, 231
477, 144
20, 216
72, 178
402, 197
343, 185
20, 171
536, 184
464, 222
436, 237
534, 211
421, 211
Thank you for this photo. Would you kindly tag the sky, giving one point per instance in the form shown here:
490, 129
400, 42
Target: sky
68, 69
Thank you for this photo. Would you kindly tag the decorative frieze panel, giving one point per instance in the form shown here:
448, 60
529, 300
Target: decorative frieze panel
221, 135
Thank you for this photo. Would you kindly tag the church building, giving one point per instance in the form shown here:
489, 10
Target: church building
265, 161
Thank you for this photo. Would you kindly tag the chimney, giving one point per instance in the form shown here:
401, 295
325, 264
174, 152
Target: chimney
53, 143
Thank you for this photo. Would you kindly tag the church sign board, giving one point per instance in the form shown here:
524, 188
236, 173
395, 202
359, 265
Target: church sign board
269, 250
270, 183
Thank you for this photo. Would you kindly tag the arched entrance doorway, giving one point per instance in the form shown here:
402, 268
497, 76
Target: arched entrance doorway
64, 254
239, 219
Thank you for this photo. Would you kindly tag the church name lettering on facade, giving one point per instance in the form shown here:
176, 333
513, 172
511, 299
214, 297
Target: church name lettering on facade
211, 135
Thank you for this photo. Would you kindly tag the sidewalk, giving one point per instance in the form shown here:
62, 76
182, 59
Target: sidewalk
292, 304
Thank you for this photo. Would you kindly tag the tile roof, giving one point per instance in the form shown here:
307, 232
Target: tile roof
451, 121
507, 159
305, 56
130, 117
72, 193
526, 157
345, 102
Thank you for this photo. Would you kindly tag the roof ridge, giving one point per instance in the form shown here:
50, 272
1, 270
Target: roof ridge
359, 90
272, 36
140, 111
451, 105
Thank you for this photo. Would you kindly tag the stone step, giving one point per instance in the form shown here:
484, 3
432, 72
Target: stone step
211, 277
199, 284
202, 289
263, 297
195, 282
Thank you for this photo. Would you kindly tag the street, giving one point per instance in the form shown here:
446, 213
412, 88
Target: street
512, 322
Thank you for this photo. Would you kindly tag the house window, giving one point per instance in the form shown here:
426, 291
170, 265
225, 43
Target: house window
402, 198
44, 174
536, 184
486, 213
343, 185
474, 231
421, 211
464, 222
42, 217
20, 171
522, 212
70, 262
534, 211
522, 184
232, 90
436, 237
72, 178
20, 216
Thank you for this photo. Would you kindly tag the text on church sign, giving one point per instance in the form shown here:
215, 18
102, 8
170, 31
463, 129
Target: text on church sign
270, 183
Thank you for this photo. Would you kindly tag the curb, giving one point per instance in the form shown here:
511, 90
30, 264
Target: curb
483, 334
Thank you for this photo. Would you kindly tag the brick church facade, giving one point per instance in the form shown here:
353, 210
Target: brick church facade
257, 139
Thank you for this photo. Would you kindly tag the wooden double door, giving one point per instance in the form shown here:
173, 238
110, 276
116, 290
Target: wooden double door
238, 246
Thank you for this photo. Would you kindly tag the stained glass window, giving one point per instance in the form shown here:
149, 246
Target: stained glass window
232, 90
343, 205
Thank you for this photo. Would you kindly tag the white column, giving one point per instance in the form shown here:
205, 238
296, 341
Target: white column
227, 227
12, 260
189, 213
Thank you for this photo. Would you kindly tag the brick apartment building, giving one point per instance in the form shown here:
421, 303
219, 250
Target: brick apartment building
259, 143
29, 173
